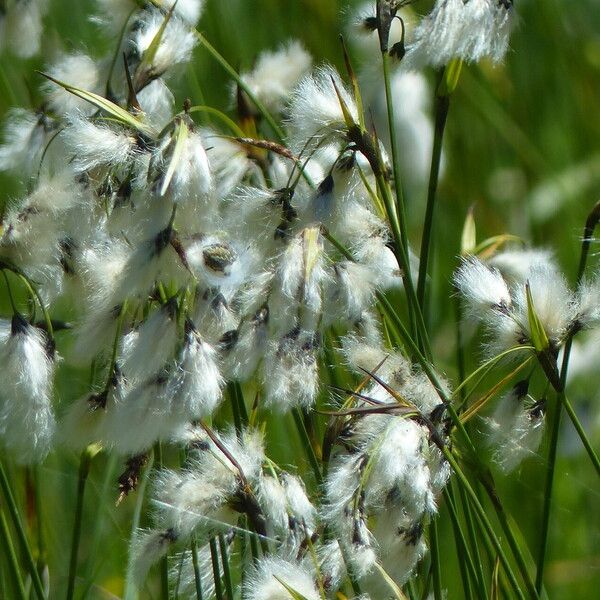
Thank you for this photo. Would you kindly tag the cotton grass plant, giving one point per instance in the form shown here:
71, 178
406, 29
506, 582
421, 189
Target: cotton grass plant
217, 278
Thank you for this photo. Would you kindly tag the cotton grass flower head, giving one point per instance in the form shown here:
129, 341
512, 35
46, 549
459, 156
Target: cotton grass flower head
142, 417
468, 30
148, 348
483, 287
157, 103
553, 301
315, 111
24, 134
290, 371
384, 482
21, 27
79, 70
176, 45
289, 515
97, 145
84, 420
205, 496
276, 73
505, 308
588, 304
515, 265
301, 272
197, 382
40, 233
229, 161
27, 360
182, 166
516, 427
188, 10
278, 579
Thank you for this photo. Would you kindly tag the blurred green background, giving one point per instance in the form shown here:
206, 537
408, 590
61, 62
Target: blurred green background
522, 147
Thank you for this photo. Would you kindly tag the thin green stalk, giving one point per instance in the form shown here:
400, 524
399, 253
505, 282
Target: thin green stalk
425, 591
226, 569
243, 542
239, 399
237, 421
308, 448
581, 432
13, 563
197, 91
11, 97
510, 538
403, 261
18, 525
99, 524
410, 589
442, 105
254, 545
84, 470
34, 292
164, 561
588, 232
466, 566
548, 489
214, 557
492, 558
221, 116
485, 522
197, 574
130, 592
435, 560
480, 578
400, 206
39, 513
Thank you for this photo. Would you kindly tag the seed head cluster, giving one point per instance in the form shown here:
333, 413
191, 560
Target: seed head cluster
188, 260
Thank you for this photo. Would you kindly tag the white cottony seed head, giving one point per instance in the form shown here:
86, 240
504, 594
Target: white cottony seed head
469, 30
97, 145
271, 577
515, 428
315, 111
176, 44
80, 71
482, 287
27, 420
276, 73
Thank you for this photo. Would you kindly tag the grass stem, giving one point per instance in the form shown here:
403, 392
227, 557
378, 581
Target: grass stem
225, 562
308, 447
18, 525
13, 563
197, 574
486, 522
442, 106
84, 469
435, 560
214, 556
588, 233
466, 566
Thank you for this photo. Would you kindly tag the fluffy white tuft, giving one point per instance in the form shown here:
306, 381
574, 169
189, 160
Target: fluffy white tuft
271, 577
276, 73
